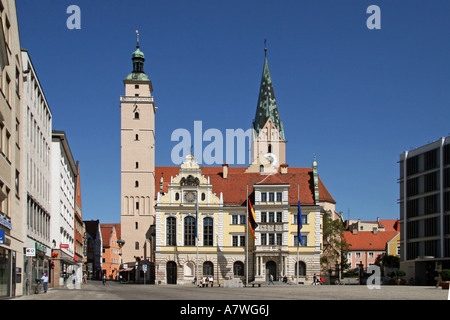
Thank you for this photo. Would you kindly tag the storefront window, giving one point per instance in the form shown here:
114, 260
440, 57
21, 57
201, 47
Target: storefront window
5, 257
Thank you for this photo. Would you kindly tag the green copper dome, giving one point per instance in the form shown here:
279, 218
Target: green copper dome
138, 54
138, 59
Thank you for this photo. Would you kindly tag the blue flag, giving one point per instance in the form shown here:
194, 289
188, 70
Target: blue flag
299, 224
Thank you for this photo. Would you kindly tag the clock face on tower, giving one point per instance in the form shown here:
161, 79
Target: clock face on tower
190, 196
271, 158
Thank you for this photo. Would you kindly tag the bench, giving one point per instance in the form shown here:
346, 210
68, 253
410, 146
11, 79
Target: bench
256, 284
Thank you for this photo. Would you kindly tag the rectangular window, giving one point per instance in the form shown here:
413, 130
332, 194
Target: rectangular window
271, 197
7, 91
271, 216
430, 159
235, 241
263, 197
263, 216
279, 239
304, 239
171, 231
208, 233
279, 196
17, 183
279, 216
271, 239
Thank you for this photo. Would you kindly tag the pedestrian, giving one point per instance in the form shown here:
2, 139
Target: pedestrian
314, 279
104, 279
271, 280
45, 281
74, 279
85, 278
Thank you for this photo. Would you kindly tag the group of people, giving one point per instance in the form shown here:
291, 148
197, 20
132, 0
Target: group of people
317, 280
206, 281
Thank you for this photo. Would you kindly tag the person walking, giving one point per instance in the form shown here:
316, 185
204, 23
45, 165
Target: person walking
104, 279
74, 280
45, 281
314, 279
271, 280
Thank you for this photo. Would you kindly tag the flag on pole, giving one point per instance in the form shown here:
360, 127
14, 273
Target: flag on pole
299, 225
251, 217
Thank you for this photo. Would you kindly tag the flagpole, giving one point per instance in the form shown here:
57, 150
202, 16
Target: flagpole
246, 242
196, 236
298, 239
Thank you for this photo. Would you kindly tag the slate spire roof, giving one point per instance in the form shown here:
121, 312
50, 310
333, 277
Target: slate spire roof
267, 104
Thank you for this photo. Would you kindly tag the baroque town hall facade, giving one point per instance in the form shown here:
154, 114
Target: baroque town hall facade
174, 219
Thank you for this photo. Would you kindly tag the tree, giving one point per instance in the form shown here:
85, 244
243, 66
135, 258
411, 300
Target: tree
335, 247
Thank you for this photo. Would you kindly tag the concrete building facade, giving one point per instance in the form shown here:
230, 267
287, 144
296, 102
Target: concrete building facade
12, 231
425, 211
36, 133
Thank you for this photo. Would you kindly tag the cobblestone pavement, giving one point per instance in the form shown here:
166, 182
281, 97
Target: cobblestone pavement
94, 290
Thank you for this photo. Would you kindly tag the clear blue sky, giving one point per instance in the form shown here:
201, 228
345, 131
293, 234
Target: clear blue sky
356, 97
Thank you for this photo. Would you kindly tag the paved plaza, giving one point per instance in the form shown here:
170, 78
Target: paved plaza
95, 290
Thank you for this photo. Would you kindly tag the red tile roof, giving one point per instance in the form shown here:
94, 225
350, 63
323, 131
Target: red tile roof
234, 187
367, 240
115, 225
390, 224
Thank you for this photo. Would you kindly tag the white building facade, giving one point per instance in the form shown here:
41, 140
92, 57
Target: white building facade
64, 173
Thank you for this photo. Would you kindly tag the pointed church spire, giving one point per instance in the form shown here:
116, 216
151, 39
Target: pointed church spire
267, 104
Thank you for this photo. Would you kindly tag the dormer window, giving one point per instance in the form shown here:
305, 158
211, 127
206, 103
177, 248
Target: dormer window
136, 115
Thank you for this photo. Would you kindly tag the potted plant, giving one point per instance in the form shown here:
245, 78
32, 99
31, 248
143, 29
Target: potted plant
400, 275
445, 274
391, 275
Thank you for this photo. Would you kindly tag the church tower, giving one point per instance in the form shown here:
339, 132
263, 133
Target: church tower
137, 163
268, 146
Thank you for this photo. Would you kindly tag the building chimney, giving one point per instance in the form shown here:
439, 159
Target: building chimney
355, 230
375, 230
224, 170
283, 167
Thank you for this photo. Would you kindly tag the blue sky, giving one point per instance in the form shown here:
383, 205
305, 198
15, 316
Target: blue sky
357, 98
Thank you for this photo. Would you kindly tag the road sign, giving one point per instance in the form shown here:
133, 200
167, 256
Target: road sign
30, 252
2, 236
144, 268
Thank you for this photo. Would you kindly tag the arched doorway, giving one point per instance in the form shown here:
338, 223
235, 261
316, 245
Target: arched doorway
301, 267
271, 269
171, 269
208, 269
